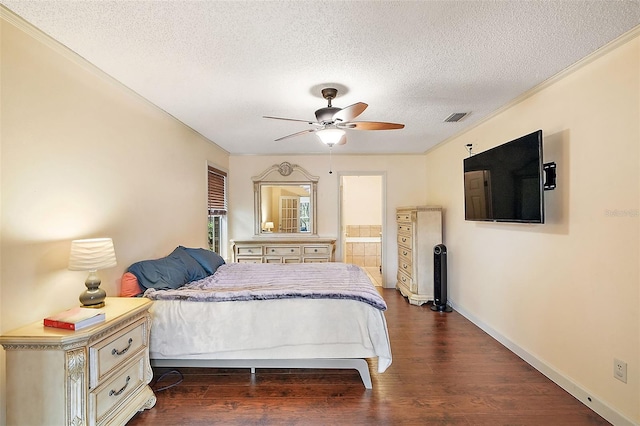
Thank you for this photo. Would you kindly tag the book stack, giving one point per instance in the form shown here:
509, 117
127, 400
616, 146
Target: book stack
75, 318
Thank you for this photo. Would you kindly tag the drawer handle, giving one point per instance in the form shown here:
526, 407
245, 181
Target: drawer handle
404, 280
250, 251
404, 266
291, 250
404, 240
116, 393
404, 253
116, 352
273, 250
315, 250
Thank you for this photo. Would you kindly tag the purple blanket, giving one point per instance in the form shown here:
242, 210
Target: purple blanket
266, 281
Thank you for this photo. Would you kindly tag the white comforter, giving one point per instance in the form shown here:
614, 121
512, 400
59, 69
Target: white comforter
269, 329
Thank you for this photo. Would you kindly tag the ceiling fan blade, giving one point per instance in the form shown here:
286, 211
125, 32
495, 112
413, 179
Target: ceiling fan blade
371, 125
297, 134
288, 119
350, 112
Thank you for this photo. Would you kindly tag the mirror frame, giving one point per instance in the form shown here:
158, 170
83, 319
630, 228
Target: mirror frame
284, 174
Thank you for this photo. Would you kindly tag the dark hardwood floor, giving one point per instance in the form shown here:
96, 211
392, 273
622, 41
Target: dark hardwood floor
445, 371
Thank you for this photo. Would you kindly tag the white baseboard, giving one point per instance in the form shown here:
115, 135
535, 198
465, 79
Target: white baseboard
582, 395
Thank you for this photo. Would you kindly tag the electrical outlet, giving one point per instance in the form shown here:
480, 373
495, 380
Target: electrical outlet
620, 370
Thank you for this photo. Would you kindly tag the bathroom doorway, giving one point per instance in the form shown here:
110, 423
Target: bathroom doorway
361, 222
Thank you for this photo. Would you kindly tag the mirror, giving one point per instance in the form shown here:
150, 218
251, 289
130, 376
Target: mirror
285, 208
284, 198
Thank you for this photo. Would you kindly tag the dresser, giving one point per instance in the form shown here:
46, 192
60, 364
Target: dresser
94, 376
284, 250
419, 231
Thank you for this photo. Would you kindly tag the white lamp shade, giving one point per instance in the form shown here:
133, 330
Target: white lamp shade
268, 225
92, 254
330, 136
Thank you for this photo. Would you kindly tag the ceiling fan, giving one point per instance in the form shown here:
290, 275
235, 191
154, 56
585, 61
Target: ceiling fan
332, 121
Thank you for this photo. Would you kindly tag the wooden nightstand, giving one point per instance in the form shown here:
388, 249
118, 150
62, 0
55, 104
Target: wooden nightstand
95, 376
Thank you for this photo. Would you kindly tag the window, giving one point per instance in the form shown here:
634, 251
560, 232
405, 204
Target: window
217, 206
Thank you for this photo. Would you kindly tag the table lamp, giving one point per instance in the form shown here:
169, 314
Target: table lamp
91, 255
268, 226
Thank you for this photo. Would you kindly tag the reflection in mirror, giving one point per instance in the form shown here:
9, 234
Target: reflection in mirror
285, 208
477, 195
284, 198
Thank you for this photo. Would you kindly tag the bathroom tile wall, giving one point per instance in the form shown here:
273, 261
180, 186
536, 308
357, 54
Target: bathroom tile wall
367, 254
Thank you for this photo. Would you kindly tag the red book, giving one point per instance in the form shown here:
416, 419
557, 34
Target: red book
75, 318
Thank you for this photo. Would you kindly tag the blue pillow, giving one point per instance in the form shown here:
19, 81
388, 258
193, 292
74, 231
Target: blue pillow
209, 260
170, 272
162, 274
194, 270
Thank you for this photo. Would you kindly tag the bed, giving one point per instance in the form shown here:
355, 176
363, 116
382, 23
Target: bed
241, 315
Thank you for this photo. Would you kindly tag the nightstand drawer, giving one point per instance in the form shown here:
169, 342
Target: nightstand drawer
110, 394
116, 350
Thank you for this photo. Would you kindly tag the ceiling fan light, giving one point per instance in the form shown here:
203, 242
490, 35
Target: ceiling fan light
330, 136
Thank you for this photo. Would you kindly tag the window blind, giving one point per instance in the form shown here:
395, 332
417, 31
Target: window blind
217, 192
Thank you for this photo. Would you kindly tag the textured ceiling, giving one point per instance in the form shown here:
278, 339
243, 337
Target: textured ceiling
220, 66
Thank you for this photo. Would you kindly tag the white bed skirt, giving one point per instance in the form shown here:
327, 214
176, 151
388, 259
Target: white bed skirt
267, 330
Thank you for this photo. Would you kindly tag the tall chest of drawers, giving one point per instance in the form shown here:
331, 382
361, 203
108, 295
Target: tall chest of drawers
95, 376
419, 231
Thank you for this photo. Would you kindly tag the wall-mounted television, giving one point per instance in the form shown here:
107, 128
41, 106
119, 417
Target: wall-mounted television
506, 183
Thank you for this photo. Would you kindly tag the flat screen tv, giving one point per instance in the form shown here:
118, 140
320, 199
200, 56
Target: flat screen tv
506, 183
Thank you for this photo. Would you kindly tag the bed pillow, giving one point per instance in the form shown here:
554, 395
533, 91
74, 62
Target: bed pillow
129, 286
194, 269
170, 272
162, 274
209, 260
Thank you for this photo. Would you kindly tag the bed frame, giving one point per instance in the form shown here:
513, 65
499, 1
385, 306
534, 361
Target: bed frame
359, 364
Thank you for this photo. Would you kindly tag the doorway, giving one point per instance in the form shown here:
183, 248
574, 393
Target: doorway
362, 200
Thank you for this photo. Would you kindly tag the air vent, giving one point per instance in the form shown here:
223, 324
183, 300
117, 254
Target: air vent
455, 117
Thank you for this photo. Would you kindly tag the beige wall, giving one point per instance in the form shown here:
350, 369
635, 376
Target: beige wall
81, 156
567, 293
401, 174
362, 200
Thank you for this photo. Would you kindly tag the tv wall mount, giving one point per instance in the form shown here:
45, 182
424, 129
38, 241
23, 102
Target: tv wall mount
549, 176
